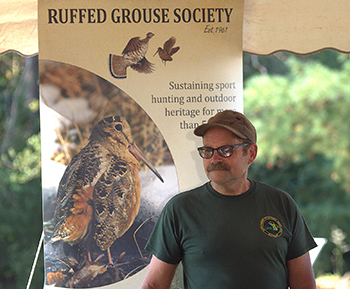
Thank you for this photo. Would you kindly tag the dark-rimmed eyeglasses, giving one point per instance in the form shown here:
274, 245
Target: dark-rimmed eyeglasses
224, 151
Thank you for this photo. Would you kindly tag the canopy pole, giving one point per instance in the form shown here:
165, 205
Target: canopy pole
35, 260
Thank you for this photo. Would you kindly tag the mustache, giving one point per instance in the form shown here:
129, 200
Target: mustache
218, 167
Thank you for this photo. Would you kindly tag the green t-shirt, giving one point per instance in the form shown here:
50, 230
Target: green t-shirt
239, 241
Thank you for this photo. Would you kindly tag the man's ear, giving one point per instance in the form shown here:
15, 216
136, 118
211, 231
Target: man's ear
252, 152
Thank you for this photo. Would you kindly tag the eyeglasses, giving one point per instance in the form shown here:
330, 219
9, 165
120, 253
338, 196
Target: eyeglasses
224, 151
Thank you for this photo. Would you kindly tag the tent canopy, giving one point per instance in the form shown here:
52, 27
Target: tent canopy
299, 26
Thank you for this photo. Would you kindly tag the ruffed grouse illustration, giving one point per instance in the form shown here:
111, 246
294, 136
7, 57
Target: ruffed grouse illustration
99, 194
133, 55
168, 50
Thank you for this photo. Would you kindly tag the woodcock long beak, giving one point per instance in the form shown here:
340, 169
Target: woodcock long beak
157, 51
138, 154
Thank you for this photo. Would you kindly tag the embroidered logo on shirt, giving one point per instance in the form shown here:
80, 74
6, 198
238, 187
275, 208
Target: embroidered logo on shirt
271, 226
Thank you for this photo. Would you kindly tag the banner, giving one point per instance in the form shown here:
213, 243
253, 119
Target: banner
123, 85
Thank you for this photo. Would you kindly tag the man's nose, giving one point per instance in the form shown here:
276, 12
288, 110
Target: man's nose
216, 157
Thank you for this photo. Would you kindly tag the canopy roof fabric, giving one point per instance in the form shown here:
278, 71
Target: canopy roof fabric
19, 26
299, 26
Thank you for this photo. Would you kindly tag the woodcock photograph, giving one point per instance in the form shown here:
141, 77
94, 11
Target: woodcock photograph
107, 173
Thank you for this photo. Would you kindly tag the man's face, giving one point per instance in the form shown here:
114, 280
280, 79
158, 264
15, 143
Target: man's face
227, 171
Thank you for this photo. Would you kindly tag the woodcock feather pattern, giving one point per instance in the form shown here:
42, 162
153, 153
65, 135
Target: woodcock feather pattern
133, 55
99, 194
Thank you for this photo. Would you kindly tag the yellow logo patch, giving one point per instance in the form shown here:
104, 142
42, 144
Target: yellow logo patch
271, 226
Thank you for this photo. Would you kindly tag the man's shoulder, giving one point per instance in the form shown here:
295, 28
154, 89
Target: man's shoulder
189, 195
271, 191
266, 187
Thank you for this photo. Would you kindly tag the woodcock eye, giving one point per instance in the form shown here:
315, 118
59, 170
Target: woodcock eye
118, 127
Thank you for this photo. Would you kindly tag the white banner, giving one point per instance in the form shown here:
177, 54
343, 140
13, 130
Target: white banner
114, 74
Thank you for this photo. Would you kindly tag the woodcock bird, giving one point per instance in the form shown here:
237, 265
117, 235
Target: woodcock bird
133, 55
168, 50
99, 194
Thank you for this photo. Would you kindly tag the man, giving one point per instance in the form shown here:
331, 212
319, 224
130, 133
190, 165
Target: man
232, 232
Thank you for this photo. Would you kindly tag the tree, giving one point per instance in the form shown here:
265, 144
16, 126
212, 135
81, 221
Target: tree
20, 186
306, 112
303, 138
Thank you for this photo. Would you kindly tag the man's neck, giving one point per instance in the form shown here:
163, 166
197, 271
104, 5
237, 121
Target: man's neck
232, 189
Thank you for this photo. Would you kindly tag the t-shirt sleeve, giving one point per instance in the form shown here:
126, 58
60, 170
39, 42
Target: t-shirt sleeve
302, 240
164, 239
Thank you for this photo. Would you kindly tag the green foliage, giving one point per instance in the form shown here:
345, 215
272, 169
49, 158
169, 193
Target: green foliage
25, 164
275, 64
303, 114
304, 142
20, 186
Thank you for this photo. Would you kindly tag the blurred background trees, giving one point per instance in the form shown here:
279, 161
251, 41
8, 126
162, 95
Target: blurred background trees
300, 108
20, 186
299, 105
